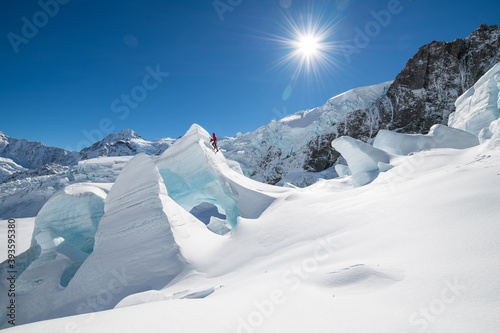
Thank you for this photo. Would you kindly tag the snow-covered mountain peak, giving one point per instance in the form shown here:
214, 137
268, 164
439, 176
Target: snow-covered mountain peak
125, 143
125, 134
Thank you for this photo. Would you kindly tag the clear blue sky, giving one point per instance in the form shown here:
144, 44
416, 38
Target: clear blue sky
72, 74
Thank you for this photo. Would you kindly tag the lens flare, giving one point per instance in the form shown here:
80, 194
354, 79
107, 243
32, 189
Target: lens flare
307, 40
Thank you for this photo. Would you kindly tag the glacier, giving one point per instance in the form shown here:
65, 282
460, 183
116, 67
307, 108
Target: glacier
25, 192
88, 239
386, 247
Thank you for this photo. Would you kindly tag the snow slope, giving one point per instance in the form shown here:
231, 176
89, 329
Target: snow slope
414, 251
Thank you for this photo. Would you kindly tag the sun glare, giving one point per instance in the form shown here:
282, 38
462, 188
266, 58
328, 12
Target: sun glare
309, 45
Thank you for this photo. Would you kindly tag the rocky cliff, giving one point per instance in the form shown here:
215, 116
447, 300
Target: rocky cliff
425, 91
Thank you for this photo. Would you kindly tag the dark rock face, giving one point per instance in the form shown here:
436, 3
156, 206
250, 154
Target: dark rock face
321, 156
360, 124
424, 93
270, 171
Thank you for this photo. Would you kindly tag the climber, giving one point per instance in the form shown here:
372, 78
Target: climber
213, 140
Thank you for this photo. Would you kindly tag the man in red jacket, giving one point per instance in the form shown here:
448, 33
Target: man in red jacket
213, 140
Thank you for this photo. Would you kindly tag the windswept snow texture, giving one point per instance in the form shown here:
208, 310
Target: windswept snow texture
440, 136
480, 105
194, 173
365, 161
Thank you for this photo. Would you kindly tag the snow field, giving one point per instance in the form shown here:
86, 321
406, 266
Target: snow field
406, 258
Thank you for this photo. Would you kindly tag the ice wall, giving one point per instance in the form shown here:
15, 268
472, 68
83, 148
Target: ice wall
439, 136
135, 249
193, 173
62, 240
365, 161
480, 105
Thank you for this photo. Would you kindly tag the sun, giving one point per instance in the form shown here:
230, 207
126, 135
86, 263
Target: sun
308, 45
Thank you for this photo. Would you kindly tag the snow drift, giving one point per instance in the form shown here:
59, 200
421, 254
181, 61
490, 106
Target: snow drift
440, 136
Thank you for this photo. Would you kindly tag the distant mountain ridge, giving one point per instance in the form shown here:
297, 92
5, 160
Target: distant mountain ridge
125, 143
36, 154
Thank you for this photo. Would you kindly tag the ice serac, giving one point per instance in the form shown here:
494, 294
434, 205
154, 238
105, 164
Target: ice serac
440, 136
62, 240
365, 161
480, 105
134, 250
194, 174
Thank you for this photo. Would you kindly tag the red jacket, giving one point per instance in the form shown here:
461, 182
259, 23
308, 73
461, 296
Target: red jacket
214, 138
